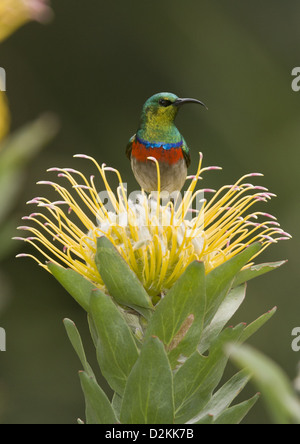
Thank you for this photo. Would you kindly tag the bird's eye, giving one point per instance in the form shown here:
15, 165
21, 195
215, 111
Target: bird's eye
165, 102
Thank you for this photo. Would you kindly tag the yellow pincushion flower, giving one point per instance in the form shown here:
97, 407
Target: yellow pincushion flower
15, 13
157, 241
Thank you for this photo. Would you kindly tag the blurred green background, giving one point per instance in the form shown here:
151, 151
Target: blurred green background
94, 66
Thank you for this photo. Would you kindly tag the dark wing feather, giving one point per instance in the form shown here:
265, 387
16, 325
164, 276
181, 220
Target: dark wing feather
129, 147
186, 153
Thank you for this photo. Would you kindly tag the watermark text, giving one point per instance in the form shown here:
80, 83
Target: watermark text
146, 210
2, 340
296, 80
2, 79
296, 341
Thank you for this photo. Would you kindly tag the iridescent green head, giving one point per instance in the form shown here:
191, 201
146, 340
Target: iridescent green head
159, 112
161, 108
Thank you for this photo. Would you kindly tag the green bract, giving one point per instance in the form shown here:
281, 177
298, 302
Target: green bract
163, 363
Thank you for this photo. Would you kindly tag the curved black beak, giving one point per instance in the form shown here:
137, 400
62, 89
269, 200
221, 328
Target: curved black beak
180, 102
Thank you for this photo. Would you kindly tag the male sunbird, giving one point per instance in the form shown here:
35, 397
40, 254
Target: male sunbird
158, 137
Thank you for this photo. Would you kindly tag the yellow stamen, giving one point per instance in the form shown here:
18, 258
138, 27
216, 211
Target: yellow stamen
158, 242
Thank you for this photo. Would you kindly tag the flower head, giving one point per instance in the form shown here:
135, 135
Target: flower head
15, 13
158, 241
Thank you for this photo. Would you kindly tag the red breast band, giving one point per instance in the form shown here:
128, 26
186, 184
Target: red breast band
170, 156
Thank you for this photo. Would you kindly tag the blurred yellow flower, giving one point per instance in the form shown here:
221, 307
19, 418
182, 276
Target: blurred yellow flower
15, 13
4, 116
157, 241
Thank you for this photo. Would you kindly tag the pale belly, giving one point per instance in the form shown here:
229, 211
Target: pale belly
172, 176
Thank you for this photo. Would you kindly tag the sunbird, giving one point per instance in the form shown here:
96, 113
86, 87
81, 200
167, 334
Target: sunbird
158, 137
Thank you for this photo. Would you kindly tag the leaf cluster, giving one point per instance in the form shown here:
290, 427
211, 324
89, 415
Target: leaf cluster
163, 363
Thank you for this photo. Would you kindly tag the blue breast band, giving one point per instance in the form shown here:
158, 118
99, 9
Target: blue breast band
165, 146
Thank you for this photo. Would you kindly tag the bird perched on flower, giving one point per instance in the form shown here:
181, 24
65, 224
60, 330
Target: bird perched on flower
159, 138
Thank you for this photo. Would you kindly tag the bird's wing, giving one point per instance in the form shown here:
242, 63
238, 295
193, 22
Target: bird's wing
186, 153
129, 147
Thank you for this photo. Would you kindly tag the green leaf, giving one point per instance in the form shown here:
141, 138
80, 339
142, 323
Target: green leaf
198, 377
282, 402
194, 383
75, 284
21, 146
257, 324
122, 283
223, 397
98, 407
227, 309
178, 318
93, 330
11, 183
15, 153
207, 419
116, 349
235, 414
225, 312
76, 341
254, 271
219, 280
148, 397
117, 404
